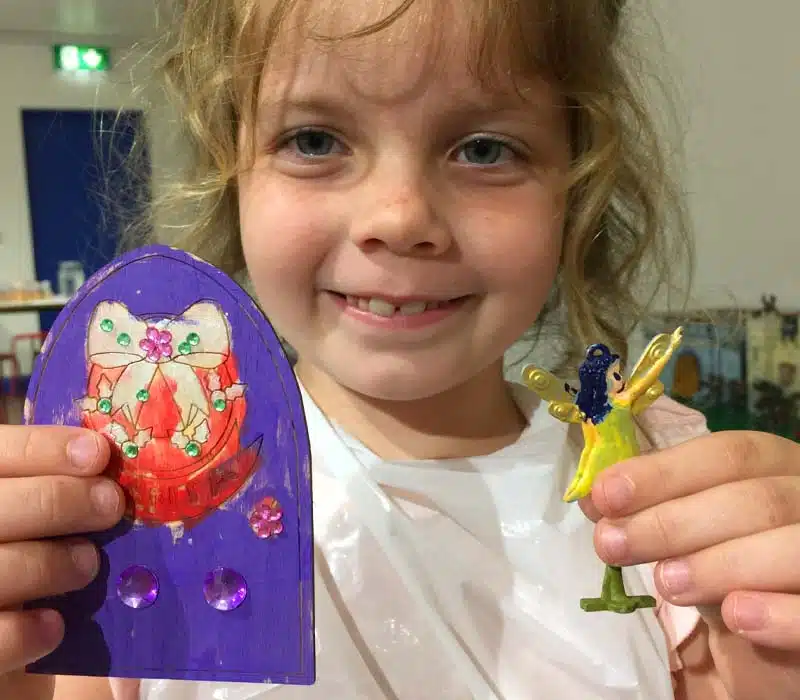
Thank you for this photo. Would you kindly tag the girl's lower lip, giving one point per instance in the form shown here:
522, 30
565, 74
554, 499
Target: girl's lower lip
398, 321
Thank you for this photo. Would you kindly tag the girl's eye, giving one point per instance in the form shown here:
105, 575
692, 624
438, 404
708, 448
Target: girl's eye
617, 376
485, 151
313, 143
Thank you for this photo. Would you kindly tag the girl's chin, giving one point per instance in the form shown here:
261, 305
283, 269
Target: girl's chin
392, 386
396, 381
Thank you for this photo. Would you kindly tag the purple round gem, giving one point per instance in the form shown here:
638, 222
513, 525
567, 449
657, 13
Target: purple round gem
225, 589
137, 587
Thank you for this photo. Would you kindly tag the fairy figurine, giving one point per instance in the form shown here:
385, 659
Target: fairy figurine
605, 405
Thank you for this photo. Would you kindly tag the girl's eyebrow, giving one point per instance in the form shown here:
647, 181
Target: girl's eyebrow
271, 108
460, 105
497, 105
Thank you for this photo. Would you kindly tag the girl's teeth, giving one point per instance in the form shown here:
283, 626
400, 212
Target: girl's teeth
379, 307
412, 307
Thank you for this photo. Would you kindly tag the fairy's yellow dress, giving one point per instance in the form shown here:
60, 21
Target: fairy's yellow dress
610, 441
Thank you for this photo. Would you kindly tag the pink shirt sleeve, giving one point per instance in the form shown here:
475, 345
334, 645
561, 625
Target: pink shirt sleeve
678, 624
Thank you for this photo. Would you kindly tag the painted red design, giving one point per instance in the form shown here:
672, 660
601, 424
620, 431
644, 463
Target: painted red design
173, 409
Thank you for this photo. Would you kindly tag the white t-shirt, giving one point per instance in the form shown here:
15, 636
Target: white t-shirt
458, 579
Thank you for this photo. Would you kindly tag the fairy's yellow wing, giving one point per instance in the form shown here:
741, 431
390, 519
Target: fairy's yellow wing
648, 398
655, 350
547, 386
643, 384
566, 412
552, 390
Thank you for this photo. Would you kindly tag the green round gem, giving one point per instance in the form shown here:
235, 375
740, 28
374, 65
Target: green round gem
184, 348
107, 325
104, 405
219, 405
193, 339
193, 449
142, 395
124, 340
130, 450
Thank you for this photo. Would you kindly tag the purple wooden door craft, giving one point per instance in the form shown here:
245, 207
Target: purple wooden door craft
210, 576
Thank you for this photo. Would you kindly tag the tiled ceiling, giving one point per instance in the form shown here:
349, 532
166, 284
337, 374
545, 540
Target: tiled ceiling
120, 20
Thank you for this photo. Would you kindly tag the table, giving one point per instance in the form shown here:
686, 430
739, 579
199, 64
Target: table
53, 303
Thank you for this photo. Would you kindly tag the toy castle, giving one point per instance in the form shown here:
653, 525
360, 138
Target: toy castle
773, 364
741, 369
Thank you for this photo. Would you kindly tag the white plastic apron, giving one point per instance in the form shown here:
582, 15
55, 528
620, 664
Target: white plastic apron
459, 579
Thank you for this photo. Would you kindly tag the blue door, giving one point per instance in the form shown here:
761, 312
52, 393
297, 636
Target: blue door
85, 181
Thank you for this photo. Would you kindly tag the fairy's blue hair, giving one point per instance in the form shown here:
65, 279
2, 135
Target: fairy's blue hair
592, 397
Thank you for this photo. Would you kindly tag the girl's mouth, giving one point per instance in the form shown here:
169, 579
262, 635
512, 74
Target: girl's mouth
383, 307
394, 313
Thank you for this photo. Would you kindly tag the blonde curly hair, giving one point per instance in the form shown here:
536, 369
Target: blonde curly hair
626, 232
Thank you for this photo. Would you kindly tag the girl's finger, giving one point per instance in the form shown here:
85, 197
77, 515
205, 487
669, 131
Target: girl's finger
26, 636
767, 619
51, 449
45, 568
699, 521
590, 509
49, 506
760, 562
691, 467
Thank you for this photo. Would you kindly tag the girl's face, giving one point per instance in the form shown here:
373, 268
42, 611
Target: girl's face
402, 222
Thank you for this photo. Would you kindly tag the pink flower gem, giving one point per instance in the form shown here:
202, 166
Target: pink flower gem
156, 344
266, 519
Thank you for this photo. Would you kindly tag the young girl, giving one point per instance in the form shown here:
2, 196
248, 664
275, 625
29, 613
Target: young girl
408, 188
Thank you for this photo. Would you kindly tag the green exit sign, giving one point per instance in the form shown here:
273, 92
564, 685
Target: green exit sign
73, 58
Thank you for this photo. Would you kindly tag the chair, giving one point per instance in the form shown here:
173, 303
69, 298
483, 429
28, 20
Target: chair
11, 378
35, 342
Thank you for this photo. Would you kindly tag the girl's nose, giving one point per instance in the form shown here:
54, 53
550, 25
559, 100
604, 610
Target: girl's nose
400, 213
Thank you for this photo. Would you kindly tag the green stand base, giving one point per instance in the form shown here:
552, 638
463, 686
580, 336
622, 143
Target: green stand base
626, 604
614, 598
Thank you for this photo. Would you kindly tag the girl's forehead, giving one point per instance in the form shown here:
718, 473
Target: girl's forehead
433, 38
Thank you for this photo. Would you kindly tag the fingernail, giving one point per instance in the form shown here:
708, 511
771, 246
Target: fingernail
675, 577
105, 497
749, 613
618, 491
614, 542
50, 627
84, 555
83, 451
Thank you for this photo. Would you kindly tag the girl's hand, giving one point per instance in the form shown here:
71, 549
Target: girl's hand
721, 516
49, 487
